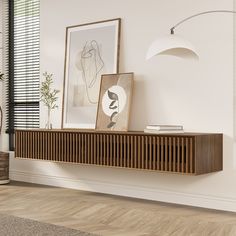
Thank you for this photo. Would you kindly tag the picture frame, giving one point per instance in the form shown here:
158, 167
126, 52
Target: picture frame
91, 50
114, 102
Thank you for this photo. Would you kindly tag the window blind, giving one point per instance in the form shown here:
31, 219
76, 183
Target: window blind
24, 71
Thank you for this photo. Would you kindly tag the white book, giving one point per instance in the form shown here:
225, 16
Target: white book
153, 131
165, 127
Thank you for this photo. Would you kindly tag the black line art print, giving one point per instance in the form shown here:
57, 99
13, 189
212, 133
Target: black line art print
91, 64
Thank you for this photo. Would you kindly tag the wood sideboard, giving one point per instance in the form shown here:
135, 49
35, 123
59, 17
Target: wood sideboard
186, 153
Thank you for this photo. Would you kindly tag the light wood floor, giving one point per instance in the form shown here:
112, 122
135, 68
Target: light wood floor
110, 215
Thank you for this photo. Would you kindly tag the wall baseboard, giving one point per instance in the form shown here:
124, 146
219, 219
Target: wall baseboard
198, 200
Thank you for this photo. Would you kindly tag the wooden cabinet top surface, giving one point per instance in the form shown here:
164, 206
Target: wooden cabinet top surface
117, 132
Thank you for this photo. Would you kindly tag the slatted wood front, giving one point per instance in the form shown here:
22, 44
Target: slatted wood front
172, 153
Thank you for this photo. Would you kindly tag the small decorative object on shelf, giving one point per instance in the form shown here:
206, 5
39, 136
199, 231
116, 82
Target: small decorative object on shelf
164, 129
48, 96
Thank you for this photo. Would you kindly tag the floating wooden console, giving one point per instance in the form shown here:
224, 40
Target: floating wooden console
180, 153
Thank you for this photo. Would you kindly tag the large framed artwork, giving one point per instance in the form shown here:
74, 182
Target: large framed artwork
91, 50
114, 102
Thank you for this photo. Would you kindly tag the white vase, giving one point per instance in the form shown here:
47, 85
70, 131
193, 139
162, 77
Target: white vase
49, 124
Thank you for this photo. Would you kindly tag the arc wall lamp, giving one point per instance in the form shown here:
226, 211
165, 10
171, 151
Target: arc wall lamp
175, 45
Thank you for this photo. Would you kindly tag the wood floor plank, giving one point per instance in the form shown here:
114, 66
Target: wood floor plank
111, 215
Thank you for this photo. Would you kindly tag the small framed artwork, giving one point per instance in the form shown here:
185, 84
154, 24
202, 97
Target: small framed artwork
91, 50
114, 102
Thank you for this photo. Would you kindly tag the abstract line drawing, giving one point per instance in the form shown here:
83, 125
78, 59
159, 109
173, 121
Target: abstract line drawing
92, 50
114, 102
91, 64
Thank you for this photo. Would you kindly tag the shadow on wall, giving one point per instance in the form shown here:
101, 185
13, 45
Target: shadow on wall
138, 111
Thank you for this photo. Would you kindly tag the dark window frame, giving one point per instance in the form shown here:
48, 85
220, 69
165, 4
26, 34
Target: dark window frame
12, 103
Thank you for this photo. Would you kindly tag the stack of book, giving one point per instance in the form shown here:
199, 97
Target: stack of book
162, 129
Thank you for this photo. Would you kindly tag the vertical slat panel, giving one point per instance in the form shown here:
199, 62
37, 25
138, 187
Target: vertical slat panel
76, 148
18, 147
79, 148
142, 153
187, 155
63, 147
135, 152
166, 154
182, 156
178, 154
170, 155
35, 145
46, 145
174, 153
19, 144
29, 144
41, 145
104, 149
132, 151
162, 154
101, 150
89, 148
72, 147
146, 152
51, 146
61, 140
121, 151
92, 149
82, 148
26, 146
154, 156
98, 149
57, 142
150, 147
128, 152
95, 149
191, 155
85, 148
117, 151
114, 150
125, 151
54, 149
110, 157
139, 152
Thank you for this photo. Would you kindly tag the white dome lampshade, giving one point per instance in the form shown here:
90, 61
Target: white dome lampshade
172, 45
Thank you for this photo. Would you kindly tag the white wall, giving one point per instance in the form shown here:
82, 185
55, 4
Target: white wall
167, 90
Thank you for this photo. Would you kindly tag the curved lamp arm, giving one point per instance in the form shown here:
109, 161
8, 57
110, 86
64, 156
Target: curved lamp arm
198, 14
175, 45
